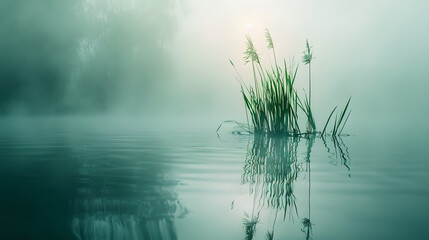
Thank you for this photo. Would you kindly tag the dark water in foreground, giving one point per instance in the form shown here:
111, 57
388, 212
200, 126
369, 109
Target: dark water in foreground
86, 181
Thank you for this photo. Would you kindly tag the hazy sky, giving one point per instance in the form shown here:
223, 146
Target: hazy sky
171, 57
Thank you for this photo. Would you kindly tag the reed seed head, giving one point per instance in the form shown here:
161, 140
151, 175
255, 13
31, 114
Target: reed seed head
308, 54
250, 55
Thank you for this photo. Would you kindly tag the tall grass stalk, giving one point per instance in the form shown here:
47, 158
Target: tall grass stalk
306, 59
327, 122
341, 120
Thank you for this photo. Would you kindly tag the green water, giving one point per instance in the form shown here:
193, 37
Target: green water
86, 180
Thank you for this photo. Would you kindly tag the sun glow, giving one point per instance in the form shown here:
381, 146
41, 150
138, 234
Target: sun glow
249, 27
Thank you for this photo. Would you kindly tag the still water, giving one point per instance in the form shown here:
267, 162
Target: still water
86, 180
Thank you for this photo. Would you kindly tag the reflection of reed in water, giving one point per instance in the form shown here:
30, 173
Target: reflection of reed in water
306, 222
125, 199
271, 168
338, 151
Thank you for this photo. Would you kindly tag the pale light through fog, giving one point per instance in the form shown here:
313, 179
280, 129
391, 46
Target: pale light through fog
171, 58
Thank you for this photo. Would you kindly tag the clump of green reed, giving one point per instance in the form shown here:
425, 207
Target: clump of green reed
272, 101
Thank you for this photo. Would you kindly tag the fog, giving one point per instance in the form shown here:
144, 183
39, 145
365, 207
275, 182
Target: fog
171, 58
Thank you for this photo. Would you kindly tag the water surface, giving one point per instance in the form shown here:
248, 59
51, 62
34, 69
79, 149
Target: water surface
94, 180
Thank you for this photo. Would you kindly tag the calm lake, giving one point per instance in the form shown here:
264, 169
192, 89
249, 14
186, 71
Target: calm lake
90, 180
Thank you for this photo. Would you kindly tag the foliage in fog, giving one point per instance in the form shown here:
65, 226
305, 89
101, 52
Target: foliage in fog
82, 55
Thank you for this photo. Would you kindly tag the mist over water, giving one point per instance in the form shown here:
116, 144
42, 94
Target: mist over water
84, 56
171, 57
